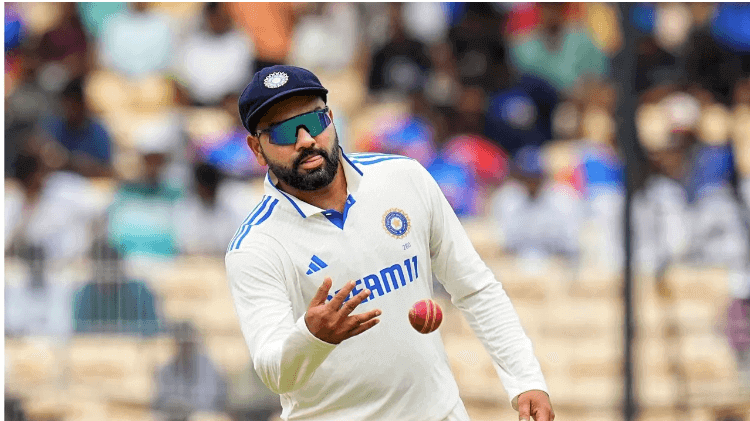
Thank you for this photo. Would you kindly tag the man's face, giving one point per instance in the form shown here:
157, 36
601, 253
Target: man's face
312, 162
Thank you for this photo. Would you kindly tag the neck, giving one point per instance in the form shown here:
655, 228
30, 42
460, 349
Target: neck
332, 196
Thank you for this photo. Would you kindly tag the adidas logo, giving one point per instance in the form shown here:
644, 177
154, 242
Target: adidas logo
316, 264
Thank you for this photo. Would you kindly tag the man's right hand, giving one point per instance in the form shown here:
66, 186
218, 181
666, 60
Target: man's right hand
330, 322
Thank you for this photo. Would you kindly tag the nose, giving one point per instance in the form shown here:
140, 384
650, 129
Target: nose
304, 140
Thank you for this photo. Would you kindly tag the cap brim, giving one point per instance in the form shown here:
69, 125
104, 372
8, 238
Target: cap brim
253, 118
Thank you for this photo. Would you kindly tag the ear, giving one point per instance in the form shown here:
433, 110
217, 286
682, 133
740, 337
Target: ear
254, 144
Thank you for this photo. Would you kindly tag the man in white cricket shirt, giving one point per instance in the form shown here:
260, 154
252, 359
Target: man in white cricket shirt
326, 267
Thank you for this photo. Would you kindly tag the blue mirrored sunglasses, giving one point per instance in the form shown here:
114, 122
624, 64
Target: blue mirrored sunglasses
285, 132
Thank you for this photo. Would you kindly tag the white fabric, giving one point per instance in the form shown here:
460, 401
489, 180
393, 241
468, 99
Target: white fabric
459, 413
60, 221
549, 224
46, 311
426, 21
390, 372
719, 234
661, 222
137, 44
212, 66
328, 40
202, 229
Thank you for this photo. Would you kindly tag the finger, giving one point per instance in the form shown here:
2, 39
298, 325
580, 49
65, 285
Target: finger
339, 298
543, 414
364, 317
362, 327
350, 305
322, 294
524, 410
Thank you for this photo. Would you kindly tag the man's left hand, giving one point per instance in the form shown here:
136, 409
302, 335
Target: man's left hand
535, 403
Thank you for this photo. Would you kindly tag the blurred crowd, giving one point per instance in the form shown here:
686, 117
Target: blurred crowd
123, 142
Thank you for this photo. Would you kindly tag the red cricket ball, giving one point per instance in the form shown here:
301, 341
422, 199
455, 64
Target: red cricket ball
425, 316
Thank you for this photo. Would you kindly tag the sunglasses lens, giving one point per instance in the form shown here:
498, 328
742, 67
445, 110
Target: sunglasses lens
286, 132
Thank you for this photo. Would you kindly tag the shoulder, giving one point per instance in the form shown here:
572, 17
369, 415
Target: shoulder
371, 158
393, 169
384, 163
258, 227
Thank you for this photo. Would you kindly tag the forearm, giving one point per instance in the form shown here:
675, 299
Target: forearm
287, 364
494, 320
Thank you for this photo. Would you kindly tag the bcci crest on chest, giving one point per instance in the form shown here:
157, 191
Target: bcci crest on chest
396, 223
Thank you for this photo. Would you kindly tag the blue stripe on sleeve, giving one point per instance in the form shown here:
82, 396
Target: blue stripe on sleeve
380, 160
247, 224
268, 213
249, 215
352, 164
260, 221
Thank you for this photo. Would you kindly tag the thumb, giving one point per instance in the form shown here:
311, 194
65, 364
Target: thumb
524, 410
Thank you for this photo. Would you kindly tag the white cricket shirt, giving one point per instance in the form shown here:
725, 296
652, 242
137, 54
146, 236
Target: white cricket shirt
396, 232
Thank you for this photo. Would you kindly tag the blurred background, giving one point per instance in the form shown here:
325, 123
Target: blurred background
127, 174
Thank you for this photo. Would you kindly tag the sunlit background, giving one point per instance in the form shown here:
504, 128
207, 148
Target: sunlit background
127, 174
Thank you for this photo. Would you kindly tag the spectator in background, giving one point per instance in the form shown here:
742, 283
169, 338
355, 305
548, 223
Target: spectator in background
137, 42
110, 303
718, 52
14, 409
516, 119
468, 164
402, 64
270, 26
336, 23
190, 382
141, 217
537, 216
661, 211
76, 140
557, 51
603, 184
66, 43
25, 106
216, 60
426, 21
15, 29
478, 45
52, 211
443, 84
654, 66
96, 15
248, 398
204, 224
411, 134
720, 236
227, 149
38, 307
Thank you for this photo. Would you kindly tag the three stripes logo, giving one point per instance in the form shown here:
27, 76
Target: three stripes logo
261, 212
316, 264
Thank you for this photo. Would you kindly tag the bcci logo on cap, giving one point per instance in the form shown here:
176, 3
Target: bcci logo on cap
276, 80
396, 223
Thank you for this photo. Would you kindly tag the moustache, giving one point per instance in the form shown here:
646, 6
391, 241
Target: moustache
307, 153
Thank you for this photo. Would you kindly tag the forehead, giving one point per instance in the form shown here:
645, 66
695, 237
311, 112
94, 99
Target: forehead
290, 107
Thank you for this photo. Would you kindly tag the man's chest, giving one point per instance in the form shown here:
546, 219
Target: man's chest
383, 246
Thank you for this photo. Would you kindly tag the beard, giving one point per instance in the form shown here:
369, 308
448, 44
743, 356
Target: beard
313, 179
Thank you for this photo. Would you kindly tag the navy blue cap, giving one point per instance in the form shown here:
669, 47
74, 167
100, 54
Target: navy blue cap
271, 84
